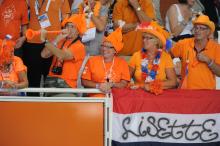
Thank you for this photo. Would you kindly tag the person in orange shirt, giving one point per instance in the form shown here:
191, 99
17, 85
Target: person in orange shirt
13, 73
47, 14
107, 70
68, 52
200, 56
14, 21
132, 12
152, 62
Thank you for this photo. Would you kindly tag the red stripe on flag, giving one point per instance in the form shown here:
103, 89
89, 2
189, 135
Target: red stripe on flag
128, 101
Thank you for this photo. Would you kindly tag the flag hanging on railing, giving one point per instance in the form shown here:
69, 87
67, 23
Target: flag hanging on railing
175, 118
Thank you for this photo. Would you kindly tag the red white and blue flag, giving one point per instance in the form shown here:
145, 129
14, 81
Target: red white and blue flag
175, 118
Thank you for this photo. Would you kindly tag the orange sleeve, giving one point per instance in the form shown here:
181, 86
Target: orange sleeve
78, 51
176, 50
24, 18
217, 55
87, 74
19, 65
169, 61
149, 9
132, 61
125, 71
65, 7
117, 11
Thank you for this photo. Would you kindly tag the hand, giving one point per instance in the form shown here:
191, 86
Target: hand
43, 34
203, 58
9, 84
146, 87
19, 42
134, 3
105, 87
63, 35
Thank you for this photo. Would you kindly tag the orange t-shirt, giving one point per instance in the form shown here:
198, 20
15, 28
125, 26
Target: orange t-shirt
199, 75
55, 9
122, 11
71, 67
135, 62
17, 67
95, 71
13, 14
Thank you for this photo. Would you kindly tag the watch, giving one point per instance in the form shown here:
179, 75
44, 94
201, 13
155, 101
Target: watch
138, 9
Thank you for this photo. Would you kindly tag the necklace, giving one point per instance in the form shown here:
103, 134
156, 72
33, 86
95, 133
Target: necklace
149, 75
108, 74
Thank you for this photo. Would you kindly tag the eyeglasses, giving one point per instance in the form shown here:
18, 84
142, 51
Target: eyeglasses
147, 37
200, 28
110, 47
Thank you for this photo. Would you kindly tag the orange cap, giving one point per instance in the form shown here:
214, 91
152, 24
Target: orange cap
154, 29
78, 20
6, 51
204, 20
115, 38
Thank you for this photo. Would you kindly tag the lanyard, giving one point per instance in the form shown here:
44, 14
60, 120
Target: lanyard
38, 7
108, 73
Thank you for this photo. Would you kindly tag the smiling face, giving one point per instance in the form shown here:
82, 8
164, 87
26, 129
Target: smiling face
150, 41
201, 32
107, 50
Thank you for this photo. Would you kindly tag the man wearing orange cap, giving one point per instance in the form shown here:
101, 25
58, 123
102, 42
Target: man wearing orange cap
200, 56
132, 12
68, 52
13, 73
107, 70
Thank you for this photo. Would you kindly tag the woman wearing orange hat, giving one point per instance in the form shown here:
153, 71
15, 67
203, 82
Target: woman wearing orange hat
68, 53
13, 73
107, 70
152, 66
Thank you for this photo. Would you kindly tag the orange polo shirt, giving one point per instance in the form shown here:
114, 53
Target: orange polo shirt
56, 6
199, 75
13, 14
18, 67
122, 11
95, 71
71, 67
165, 62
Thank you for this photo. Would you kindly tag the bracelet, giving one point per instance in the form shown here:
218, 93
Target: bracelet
211, 63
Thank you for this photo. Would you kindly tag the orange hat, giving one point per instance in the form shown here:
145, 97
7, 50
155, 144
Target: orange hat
78, 20
115, 38
6, 51
154, 29
204, 20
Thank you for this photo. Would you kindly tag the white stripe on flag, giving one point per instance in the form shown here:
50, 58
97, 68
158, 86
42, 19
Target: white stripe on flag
166, 127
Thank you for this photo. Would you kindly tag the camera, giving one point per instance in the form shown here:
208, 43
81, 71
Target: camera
57, 70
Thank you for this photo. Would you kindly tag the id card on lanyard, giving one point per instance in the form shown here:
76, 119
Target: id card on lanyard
43, 19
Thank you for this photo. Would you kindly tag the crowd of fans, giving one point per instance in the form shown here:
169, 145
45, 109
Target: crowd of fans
85, 45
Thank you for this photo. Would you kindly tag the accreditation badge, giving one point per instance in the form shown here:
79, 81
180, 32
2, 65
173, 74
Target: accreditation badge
44, 20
